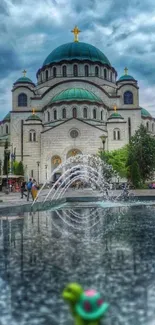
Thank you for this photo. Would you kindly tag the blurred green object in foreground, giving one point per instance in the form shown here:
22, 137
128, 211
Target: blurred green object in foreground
87, 307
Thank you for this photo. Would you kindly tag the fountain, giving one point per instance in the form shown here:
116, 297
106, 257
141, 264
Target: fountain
108, 245
89, 170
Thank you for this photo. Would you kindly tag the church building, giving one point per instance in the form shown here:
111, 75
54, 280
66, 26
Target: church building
78, 105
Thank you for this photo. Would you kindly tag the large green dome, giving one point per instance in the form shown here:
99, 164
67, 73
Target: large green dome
76, 94
145, 113
76, 51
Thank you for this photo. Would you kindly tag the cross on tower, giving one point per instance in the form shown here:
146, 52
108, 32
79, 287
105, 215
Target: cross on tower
76, 32
115, 108
126, 70
24, 73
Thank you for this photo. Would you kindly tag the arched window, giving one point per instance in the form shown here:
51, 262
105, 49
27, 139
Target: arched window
147, 126
46, 75
101, 115
116, 134
74, 112
94, 113
86, 68
54, 72
22, 100
32, 136
105, 73
96, 72
64, 71
128, 97
55, 114
48, 116
6, 129
152, 127
75, 70
64, 113
85, 112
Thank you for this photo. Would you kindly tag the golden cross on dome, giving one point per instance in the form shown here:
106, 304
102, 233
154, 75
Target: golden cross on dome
126, 70
115, 108
76, 32
24, 72
33, 111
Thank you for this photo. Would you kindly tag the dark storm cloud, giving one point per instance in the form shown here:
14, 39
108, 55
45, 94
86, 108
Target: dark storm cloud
9, 61
3, 8
123, 30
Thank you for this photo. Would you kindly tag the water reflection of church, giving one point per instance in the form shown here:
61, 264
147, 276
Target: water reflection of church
78, 105
37, 260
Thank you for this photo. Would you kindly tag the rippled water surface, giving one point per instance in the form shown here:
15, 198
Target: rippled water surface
112, 250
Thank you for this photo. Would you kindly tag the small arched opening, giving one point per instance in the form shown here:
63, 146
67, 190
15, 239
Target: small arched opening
74, 112
94, 113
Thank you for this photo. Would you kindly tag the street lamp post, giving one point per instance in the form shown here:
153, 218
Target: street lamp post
0, 167
7, 151
38, 164
25, 173
46, 171
0, 175
103, 139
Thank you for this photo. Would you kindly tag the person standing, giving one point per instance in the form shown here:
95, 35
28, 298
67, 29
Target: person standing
29, 188
23, 189
34, 190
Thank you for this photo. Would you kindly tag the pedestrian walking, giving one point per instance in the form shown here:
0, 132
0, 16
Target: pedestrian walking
29, 188
23, 189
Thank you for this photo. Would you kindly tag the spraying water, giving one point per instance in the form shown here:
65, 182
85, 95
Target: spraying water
88, 170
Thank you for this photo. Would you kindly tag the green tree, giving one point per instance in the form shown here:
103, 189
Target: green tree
142, 151
20, 169
15, 165
117, 159
6, 159
135, 174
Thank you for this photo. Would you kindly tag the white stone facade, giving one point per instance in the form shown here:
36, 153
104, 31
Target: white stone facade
37, 141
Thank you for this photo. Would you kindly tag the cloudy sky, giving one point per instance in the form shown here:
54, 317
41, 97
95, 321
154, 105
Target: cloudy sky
123, 29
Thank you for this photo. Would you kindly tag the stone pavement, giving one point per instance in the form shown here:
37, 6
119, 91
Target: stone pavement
14, 199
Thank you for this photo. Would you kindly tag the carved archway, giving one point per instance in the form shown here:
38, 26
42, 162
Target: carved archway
73, 152
55, 162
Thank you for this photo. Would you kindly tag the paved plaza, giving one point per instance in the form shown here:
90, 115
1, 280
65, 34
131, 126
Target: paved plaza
14, 199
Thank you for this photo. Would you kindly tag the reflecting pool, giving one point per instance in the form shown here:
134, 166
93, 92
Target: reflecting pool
111, 250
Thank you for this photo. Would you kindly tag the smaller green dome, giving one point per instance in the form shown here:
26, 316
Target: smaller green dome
33, 117
115, 115
126, 77
145, 113
7, 117
24, 80
77, 94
